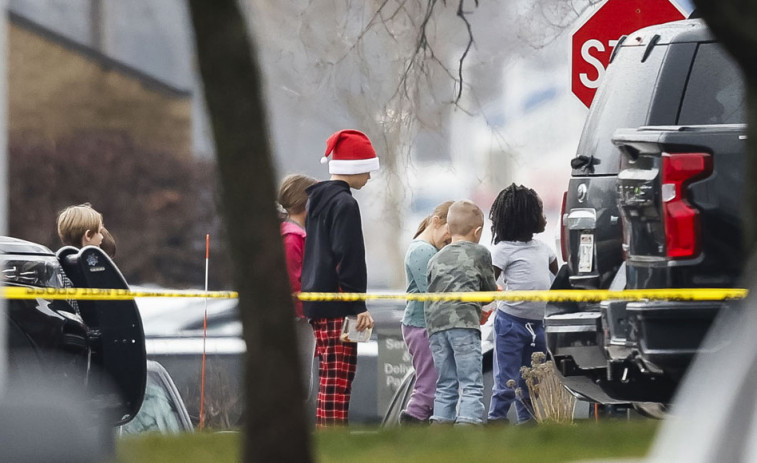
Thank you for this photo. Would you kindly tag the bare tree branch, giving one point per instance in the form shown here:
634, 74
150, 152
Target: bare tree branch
461, 14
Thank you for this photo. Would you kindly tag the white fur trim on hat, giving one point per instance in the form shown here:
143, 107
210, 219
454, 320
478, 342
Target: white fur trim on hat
355, 166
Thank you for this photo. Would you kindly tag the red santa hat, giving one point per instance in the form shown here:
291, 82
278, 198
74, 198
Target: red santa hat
351, 153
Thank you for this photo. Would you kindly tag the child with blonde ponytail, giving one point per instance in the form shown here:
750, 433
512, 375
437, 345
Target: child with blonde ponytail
432, 235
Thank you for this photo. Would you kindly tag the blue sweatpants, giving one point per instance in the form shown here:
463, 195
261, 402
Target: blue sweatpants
515, 340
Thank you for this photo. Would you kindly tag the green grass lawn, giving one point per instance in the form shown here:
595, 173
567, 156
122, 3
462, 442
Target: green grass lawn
586, 440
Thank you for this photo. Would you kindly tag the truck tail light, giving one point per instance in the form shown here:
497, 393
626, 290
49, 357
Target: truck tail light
563, 229
681, 220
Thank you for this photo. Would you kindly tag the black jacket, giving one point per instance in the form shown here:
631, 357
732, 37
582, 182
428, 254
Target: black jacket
334, 258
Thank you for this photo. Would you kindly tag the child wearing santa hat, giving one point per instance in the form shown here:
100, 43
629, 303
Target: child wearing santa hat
334, 261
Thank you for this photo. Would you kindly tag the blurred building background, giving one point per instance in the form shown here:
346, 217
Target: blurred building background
60, 87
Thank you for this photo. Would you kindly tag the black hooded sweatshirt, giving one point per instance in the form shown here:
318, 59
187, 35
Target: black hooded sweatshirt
334, 259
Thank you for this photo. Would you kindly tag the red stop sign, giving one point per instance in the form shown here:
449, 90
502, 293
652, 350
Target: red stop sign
593, 42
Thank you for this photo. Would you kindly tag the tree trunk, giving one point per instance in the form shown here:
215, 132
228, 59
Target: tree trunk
732, 22
275, 426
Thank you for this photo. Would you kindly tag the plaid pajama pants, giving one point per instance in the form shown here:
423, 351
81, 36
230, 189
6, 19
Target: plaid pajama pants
338, 361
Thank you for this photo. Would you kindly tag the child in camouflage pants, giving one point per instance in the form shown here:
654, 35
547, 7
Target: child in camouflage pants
454, 326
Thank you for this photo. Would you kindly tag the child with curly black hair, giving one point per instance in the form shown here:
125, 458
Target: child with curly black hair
520, 263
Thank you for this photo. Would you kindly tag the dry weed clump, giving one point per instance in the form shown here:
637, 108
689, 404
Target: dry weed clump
223, 400
550, 401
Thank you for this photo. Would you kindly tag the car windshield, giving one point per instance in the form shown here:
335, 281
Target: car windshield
184, 317
158, 412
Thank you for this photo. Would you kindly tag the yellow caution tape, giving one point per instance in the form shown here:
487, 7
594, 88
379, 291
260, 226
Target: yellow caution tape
572, 295
569, 295
92, 294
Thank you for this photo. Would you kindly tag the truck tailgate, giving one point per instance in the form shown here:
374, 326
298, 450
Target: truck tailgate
679, 191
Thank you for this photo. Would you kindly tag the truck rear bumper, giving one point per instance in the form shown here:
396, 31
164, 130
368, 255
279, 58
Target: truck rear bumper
669, 334
637, 351
578, 335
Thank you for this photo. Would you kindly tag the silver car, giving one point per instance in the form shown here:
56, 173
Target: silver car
174, 337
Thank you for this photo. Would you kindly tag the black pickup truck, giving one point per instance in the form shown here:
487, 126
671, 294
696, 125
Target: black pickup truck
653, 203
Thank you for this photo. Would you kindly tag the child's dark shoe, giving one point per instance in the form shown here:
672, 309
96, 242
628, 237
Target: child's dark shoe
408, 419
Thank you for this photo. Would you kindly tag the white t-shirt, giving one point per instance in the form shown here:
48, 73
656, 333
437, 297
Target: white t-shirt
525, 266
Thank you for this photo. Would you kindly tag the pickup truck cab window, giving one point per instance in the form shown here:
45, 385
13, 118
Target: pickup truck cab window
623, 101
715, 92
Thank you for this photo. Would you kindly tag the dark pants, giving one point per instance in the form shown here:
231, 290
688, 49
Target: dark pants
515, 340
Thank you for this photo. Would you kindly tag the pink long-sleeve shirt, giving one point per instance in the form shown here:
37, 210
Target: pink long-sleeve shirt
294, 247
